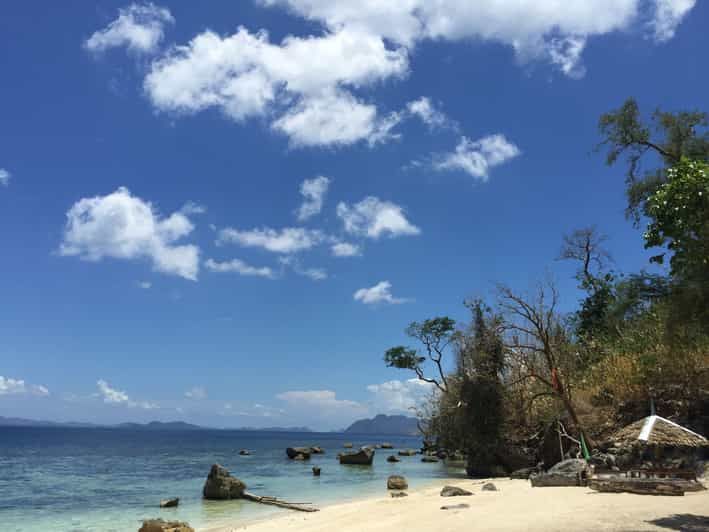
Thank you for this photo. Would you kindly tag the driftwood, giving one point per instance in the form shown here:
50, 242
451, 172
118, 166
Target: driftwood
273, 501
638, 486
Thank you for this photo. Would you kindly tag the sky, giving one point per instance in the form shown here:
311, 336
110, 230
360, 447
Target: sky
225, 212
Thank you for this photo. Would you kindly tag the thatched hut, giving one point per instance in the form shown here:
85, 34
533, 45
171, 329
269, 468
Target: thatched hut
657, 443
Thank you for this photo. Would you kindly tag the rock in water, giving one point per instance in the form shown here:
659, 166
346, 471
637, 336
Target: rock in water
316, 471
317, 450
387, 445
429, 459
453, 491
244, 452
407, 452
392, 458
170, 503
220, 485
489, 487
397, 482
295, 452
364, 456
160, 525
347, 446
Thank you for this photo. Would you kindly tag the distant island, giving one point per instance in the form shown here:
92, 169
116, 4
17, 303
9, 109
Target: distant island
152, 425
382, 424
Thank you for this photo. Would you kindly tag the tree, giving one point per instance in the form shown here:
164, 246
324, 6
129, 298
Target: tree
623, 131
436, 335
537, 343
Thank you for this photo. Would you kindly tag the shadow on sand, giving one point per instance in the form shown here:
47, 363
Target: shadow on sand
684, 522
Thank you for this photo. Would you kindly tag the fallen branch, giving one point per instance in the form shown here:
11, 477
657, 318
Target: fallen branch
273, 501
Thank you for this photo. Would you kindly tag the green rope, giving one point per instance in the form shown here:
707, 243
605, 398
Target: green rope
586, 454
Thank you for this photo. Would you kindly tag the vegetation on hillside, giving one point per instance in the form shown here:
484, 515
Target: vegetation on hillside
521, 366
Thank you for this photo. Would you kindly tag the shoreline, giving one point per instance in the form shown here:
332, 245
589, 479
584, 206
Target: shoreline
516, 506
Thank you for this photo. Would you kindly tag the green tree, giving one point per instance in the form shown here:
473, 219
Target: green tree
625, 133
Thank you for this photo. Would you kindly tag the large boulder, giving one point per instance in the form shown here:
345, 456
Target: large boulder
454, 491
294, 452
407, 452
524, 473
317, 450
397, 482
220, 485
429, 459
364, 456
392, 458
387, 445
572, 472
160, 525
170, 503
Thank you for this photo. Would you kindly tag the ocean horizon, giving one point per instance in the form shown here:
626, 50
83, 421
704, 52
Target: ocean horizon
110, 479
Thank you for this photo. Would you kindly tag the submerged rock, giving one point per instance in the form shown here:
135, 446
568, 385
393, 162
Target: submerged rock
160, 525
397, 482
454, 491
364, 456
170, 503
392, 458
220, 485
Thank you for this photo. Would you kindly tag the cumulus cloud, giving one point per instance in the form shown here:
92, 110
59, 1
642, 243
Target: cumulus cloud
198, 393
245, 75
345, 249
478, 157
313, 192
240, 267
379, 293
529, 27
10, 386
374, 218
117, 397
4, 177
287, 240
427, 112
323, 401
668, 16
122, 226
399, 396
139, 27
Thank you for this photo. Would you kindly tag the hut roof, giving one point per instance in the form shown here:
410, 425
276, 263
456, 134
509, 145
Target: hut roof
656, 430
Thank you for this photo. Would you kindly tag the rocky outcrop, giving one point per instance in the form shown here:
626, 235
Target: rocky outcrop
364, 456
170, 503
454, 491
160, 525
392, 458
397, 482
295, 452
572, 472
220, 485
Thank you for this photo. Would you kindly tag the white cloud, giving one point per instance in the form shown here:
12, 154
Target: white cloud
193, 208
4, 177
287, 240
118, 397
316, 274
313, 191
10, 386
399, 396
240, 267
138, 27
145, 285
345, 249
566, 54
198, 393
429, 115
323, 400
478, 157
668, 15
122, 226
379, 293
245, 75
374, 218
529, 27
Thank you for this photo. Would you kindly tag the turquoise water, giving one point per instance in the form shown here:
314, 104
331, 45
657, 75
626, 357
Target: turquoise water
74, 480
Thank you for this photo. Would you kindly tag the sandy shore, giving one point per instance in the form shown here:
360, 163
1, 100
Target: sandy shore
516, 506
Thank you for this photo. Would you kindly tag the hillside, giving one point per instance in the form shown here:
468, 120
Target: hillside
382, 424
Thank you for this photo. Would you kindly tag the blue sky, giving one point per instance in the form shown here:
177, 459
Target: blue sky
225, 212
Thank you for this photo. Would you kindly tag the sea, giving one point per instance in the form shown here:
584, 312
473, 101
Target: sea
94, 479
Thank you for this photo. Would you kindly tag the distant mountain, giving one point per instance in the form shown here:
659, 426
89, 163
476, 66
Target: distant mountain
21, 422
381, 424
159, 425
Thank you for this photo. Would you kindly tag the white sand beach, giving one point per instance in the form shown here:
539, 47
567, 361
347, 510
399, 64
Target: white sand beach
516, 506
